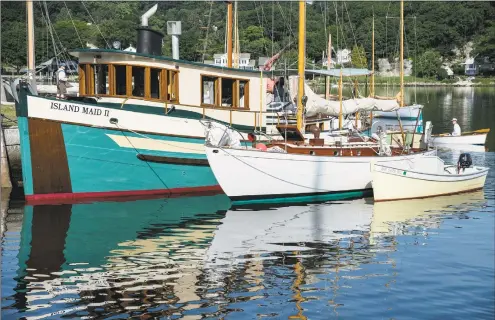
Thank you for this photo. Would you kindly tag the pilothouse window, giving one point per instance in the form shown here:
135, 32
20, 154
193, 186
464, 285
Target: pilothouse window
101, 76
120, 80
138, 81
224, 92
208, 85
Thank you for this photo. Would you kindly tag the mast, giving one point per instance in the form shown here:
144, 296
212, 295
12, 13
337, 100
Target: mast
340, 98
401, 53
30, 34
372, 91
229, 34
236, 38
401, 71
301, 61
373, 58
329, 62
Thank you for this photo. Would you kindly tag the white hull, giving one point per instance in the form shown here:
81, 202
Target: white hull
431, 178
249, 174
476, 139
409, 112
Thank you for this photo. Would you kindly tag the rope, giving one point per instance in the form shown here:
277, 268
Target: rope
207, 31
91, 17
5, 117
147, 163
68, 11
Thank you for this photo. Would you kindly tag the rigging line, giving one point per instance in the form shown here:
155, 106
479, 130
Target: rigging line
207, 31
49, 29
286, 22
70, 15
350, 24
65, 55
91, 17
52, 30
147, 163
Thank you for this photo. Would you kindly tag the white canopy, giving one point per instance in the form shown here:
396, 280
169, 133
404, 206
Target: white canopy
318, 105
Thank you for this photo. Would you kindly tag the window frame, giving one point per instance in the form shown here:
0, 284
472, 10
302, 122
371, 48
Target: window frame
218, 92
87, 82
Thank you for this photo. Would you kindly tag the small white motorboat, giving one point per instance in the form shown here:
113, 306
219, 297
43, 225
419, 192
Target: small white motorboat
424, 177
477, 137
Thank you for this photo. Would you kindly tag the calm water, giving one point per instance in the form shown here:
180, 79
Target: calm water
196, 258
474, 108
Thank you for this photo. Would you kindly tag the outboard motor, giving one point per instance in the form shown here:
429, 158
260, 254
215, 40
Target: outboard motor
465, 161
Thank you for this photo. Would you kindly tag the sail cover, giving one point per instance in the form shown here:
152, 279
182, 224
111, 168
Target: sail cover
319, 105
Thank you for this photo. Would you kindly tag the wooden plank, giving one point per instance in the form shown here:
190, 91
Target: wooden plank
128, 80
82, 79
111, 80
147, 82
48, 157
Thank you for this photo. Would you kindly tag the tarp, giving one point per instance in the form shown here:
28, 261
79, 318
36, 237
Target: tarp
319, 105
346, 72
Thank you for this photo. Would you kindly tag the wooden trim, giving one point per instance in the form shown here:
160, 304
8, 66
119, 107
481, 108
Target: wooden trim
246, 95
112, 83
173, 160
128, 81
176, 86
163, 85
90, 79
235, 93
218, 92
82, 79
147, 83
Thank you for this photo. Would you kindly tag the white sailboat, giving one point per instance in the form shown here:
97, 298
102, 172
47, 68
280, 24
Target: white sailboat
293, 170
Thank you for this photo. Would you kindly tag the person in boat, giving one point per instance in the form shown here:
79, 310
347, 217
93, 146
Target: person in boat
61, 82
457, 128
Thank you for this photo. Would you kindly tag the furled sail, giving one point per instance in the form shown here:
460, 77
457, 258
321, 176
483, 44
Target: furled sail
319, 105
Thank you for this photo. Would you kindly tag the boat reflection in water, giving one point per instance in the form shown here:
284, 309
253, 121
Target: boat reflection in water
80, 258
393, 218
193, 257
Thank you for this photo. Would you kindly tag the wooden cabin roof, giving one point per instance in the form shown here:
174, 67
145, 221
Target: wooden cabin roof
147, 57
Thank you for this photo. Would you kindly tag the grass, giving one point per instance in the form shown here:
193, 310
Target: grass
8, 111
484, 80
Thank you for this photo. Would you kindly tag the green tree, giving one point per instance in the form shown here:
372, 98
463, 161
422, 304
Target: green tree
358, 57
427, 64
485, 43
14, 50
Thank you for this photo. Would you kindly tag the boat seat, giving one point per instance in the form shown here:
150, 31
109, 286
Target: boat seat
290, 132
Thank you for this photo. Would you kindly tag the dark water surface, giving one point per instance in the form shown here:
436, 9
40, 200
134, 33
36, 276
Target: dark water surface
196, 258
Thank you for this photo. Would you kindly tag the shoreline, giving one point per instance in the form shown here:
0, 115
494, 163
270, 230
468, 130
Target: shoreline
438, 84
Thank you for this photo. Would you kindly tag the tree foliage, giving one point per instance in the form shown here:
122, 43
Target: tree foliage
358, 57
428, 64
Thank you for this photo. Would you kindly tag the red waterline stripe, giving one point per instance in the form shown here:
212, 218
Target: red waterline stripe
81, 197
